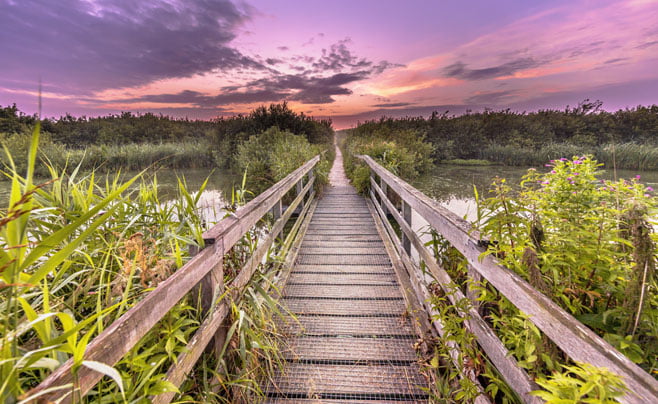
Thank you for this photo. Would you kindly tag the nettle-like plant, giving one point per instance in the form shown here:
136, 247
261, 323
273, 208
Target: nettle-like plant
586, 243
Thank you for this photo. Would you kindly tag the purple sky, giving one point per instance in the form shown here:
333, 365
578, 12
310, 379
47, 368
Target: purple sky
349, 60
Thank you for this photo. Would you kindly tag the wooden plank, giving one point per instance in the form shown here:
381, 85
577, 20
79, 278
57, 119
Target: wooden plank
345, 379
368, 250
338, 278
271, 400
343, 243
342, 237
343, 269
349, 349
327, 325
371, 259
343, 291
574, 338
344, 307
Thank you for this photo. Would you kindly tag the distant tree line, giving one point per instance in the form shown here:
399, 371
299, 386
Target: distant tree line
523, 138
112, 134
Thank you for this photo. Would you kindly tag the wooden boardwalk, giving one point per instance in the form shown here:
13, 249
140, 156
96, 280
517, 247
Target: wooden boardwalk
351, 340
354, 279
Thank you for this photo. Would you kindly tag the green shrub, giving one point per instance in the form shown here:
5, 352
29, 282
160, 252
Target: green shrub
273, 154
587, 244
404, 153
582, 383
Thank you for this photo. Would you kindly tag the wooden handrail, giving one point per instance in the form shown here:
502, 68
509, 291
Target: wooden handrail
575, 339
122, 335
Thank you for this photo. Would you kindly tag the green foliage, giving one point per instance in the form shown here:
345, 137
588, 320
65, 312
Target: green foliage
524, 139
135, 141
581, 383
468, 162
404, 153
231, 132
110, 158
126, 128
585, 243
273, 154
76, 254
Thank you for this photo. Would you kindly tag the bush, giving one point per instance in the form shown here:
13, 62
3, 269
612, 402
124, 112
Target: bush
273, 154
587, 244
404, 153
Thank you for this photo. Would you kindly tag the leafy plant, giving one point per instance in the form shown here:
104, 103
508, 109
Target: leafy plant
581, 383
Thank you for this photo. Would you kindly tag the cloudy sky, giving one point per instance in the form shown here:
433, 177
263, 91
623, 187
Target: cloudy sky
346, 59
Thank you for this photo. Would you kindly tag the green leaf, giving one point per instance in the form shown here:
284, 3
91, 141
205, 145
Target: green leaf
107, 371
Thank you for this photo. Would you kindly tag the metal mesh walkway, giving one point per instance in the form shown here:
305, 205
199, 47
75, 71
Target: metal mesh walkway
351, 340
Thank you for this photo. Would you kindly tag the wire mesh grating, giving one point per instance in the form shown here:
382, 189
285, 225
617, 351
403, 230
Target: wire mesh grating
350, 339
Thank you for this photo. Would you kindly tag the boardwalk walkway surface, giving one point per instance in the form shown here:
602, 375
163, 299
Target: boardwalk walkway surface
352, 341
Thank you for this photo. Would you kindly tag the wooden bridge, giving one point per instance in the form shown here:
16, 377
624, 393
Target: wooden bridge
357, 299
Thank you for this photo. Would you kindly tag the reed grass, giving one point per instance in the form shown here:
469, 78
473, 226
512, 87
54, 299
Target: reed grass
112, 158
624, 156
79, 250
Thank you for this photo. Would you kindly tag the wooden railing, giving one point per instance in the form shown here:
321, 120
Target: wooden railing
576, 340
204, 270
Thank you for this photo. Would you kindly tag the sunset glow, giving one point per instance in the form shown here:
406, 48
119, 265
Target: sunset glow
341, 59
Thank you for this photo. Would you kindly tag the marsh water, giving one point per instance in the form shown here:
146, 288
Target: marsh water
450, 185
453, 186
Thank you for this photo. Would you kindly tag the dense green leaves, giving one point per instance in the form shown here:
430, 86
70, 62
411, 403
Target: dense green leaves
625, 138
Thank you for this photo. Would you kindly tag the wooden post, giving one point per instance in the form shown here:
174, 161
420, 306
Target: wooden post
311, 178
384, 187
210, 287
406, 214
473, 293
298, 190
277, 211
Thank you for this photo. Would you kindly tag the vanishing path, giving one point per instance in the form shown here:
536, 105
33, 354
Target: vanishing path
352, 340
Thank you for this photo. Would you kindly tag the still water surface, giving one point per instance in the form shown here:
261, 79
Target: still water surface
450, 185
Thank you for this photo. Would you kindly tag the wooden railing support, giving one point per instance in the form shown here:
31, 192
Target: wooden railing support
406, 215
571, 336
203, 270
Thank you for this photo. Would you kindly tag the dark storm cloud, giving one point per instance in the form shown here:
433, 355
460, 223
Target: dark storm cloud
461, 71
207, 101
339, 57
302, 88
312, 85
489, 98
392, 105
81, 47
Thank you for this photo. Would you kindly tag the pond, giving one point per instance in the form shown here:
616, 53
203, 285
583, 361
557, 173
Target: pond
218, 189
452, 185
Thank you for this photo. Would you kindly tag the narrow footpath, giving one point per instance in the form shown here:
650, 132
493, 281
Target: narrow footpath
351, 340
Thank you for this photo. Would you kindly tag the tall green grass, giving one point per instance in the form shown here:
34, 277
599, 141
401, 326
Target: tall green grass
109, 158
79, 250
626, 155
